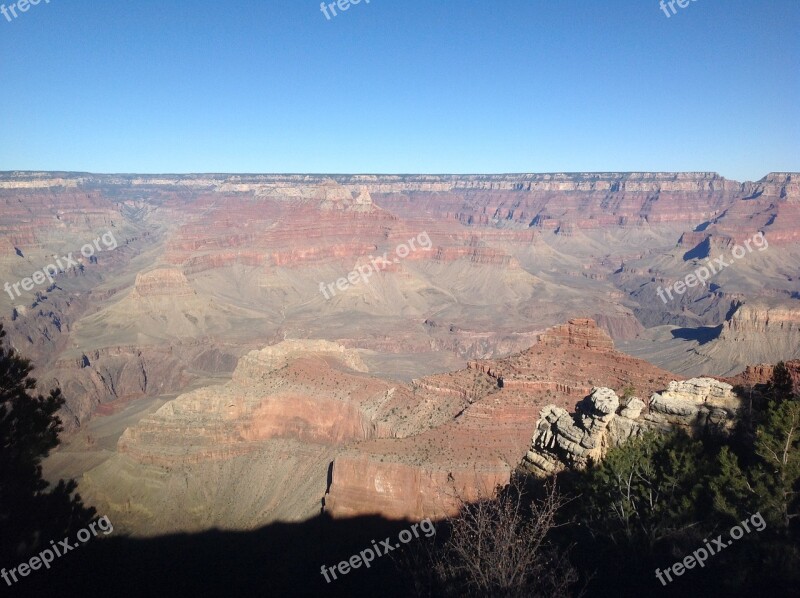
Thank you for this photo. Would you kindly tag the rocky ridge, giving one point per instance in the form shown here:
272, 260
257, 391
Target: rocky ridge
479, 424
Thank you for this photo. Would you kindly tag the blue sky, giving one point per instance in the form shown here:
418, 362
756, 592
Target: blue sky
411, 86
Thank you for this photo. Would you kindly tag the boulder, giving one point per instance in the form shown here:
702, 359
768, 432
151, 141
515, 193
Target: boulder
562, 440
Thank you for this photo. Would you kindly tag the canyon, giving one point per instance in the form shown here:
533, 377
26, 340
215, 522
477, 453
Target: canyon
210, 384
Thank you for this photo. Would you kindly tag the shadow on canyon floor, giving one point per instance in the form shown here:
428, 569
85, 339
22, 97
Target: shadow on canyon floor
701, 334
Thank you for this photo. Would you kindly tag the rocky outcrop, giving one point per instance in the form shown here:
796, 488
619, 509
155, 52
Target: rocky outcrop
761, 374
566, 441
580, 332
567, 359
478, 422
257, 365
162, 282
699, 404
562, 440
686, 399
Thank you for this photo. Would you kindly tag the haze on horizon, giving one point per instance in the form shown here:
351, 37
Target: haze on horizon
24, 174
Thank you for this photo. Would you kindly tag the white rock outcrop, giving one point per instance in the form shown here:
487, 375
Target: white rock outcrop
563, 440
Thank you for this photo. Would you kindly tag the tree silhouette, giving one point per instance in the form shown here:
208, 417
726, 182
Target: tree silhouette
30, 514
781, 385
499, 547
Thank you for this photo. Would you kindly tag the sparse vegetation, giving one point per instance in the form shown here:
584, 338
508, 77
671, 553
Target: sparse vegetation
496, 547
649, 503
656, 498
628, 392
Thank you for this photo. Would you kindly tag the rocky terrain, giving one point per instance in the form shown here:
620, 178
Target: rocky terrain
468, 455
302, 426
761, 374
601, 421
200, 355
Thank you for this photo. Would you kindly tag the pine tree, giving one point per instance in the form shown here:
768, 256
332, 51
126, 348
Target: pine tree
731, 488
646, 490
781, 387
778, 479
30, 515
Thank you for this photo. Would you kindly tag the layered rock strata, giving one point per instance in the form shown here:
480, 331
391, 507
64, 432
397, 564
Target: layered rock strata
570, 441
464, 457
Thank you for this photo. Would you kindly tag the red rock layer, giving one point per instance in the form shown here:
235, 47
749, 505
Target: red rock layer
466, 456
762, 374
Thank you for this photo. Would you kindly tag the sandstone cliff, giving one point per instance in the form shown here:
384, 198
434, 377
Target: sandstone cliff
236, 261
264, 440
466, 456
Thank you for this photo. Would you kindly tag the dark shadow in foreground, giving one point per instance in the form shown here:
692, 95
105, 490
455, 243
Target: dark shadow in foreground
282, 559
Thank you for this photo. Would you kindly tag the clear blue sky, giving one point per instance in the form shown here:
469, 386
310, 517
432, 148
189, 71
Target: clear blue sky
401, 86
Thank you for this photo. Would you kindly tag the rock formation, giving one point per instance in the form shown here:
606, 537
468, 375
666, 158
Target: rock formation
478, 429
422, 379
562, 440
236, 261
264, 440
162, 282
761, 374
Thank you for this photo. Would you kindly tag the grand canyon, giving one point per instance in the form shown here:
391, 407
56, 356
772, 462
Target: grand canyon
415, 300
209, 383
226, 366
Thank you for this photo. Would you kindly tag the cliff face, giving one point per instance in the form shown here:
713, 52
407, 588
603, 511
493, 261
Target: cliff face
756, 332
424, 474
241, 257
265, 439
751, 319
30, 217
397, 490
545, 201
567, 202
